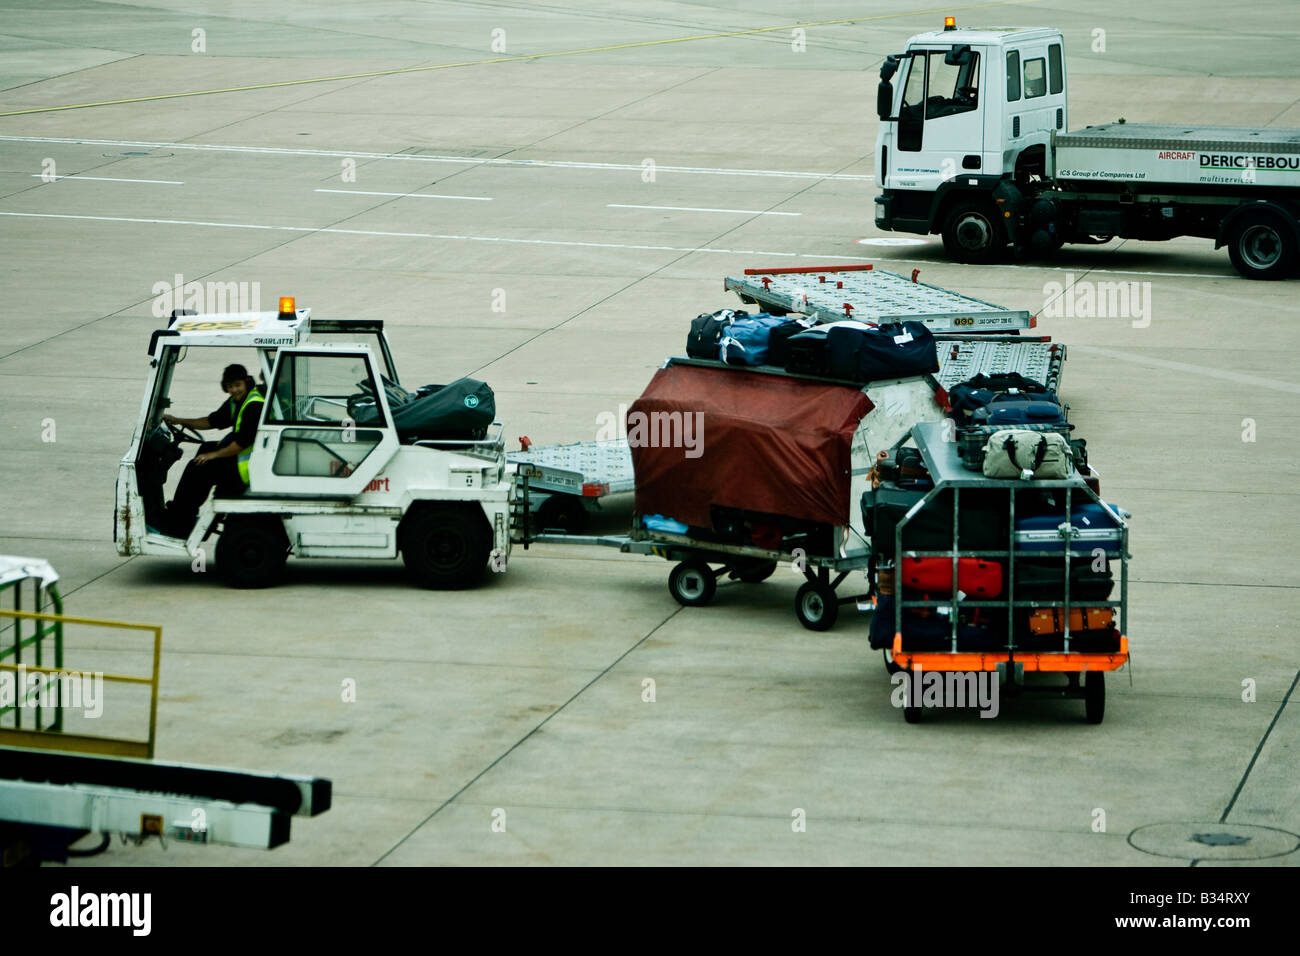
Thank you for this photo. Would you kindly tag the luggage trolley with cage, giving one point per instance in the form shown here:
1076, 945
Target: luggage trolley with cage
1053, 610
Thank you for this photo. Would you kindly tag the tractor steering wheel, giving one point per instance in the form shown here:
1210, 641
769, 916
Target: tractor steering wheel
183, 433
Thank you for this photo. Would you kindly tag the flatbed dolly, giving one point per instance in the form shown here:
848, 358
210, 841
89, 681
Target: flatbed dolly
1084, 669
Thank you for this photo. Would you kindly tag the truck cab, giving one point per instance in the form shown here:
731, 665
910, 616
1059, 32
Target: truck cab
960, 110
346, 463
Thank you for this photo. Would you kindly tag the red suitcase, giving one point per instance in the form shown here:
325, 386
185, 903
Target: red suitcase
976, 577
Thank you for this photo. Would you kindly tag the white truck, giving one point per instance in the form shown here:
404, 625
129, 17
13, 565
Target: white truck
332, 474
973, 145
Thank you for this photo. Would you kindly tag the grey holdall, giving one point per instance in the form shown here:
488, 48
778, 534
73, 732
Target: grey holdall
1017, 453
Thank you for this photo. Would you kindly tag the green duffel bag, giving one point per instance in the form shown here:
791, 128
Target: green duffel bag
1018, 453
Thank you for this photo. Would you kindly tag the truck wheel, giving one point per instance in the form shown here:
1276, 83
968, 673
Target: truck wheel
973, 233
562, 511
692, 584
1262, 246
816, 606
445, 548
1094, 696
251, 551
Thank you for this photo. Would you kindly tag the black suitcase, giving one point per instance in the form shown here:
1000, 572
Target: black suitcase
707, 330
984, 521
808, 353
1043, 579
895, 350
778, 345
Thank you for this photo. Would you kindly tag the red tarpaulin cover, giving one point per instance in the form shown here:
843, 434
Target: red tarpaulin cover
743, 440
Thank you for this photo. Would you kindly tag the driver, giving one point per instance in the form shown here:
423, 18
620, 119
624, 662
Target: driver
222, 465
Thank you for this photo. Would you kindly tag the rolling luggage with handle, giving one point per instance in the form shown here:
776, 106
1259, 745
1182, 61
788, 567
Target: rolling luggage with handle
976, 577
1090, 529
808, 353
1051, 620
778, 343
1014, 409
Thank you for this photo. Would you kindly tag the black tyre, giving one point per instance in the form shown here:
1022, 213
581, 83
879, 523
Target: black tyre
1094, 696
973, 232
251, 551
753, 574
911, 714
445, 548
562, 511
890, 666
1263, 246
816, 606
692, 584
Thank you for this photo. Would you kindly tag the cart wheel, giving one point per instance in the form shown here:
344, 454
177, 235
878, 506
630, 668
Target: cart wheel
562, 511
911, 714
889, 662
692, 584
1094, 696
757, 572
816, 606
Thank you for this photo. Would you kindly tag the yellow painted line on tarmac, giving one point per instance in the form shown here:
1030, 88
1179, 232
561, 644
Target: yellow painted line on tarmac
510, 59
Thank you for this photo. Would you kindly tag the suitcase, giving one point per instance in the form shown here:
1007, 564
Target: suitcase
1102, 641
808, 353
973, 439
744, 341
1051, 620
974, 393
1043, 579
895, 350
778, 343
1092, 529
933, 633
983, 521
1008, 409
707, 330
976, 577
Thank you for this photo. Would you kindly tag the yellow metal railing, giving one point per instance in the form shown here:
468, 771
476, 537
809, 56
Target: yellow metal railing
51, 738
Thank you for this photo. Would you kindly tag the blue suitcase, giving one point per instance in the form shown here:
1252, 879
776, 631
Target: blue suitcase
1090, 528
745, 341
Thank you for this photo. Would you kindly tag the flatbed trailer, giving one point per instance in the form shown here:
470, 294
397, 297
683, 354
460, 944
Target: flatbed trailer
973, 336
1083, 667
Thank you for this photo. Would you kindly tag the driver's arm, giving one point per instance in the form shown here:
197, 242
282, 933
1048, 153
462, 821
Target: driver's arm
199, 424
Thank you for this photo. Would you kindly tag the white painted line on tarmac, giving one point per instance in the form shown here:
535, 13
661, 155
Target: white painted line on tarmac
565, 242
410, 235
747, 212
363, 192
459, 160
110, 179
1242, 378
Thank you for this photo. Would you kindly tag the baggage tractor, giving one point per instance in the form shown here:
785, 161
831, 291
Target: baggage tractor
894, 350
976, 577
1090, 528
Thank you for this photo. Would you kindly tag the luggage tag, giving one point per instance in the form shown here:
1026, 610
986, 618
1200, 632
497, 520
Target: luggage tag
903, 339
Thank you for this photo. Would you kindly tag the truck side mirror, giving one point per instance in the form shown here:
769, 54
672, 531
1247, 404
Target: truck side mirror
958, 55
884, 99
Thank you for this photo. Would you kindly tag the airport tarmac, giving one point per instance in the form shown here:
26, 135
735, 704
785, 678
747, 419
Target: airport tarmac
550, 225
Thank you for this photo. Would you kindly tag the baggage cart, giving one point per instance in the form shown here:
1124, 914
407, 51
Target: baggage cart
1083, 658
567, 482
